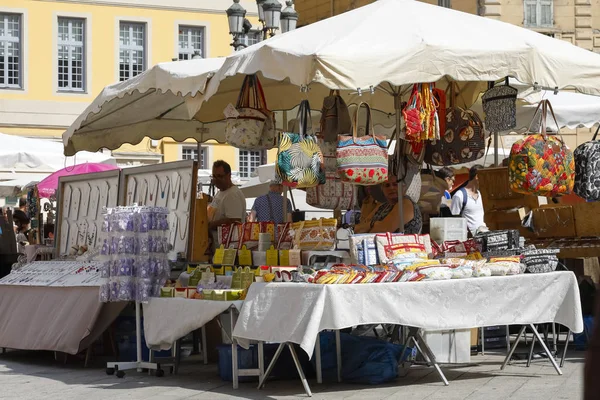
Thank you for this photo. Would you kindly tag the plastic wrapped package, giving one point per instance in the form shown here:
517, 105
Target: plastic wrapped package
462, 272
481, 271
502, 268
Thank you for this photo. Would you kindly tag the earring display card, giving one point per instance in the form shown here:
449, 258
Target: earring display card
82, 199
56, 273
169, 185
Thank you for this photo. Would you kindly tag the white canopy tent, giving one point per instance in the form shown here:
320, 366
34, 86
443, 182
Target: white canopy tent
27, 155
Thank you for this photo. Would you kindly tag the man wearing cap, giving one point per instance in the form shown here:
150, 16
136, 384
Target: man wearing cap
269, 207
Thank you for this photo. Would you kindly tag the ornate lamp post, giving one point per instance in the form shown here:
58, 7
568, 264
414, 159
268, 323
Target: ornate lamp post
289, 18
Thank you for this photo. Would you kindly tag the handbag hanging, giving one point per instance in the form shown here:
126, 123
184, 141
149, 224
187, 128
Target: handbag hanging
541, 164
587, 169
254, 126
500, 107
299, 158
335, 117
463, 140
362, 160
333, 194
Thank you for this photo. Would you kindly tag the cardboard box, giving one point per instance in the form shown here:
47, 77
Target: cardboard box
587, 219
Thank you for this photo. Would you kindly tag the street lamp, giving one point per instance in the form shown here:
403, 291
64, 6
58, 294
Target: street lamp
272, 15
289, 18
261, 14
235, 16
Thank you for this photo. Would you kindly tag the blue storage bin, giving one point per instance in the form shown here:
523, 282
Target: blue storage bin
246, 359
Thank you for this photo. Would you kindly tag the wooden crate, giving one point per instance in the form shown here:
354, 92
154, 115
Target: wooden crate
554, 221
506, 219
496, 193
587, 219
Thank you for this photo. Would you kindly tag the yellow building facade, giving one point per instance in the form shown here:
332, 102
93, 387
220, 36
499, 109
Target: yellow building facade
56, 57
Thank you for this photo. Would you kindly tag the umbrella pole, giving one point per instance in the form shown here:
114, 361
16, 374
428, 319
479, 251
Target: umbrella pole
397, 106
496, 140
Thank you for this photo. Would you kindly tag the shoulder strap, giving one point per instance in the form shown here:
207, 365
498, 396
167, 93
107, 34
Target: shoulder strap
465, 199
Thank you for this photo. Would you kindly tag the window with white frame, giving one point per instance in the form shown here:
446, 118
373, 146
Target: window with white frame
249, 161
445, 3
10, 51
252, 37
191, 40
71, 54
132, 49
539, 13
191, 153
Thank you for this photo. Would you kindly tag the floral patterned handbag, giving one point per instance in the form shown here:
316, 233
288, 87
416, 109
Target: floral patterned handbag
541, 164
254, 120
362, 160
299, 158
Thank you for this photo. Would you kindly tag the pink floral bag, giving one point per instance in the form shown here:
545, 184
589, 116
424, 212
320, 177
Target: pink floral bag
362, 160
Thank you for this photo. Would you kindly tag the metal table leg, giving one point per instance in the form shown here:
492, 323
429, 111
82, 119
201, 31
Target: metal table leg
338, 352
564, 354
299, 368
550, 356
513, 348
264, 378
318, 359
204, 346
234, 355
530, 356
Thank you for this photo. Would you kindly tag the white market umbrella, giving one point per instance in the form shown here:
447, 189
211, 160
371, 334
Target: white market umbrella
152, 104
13, 187
36, 155
393, 43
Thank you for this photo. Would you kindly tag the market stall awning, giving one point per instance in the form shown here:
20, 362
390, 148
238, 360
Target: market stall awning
152, 104
395, 43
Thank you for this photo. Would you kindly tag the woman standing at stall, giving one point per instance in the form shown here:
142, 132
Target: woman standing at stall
385, 217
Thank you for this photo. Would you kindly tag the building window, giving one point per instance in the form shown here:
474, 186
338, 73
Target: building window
539, 13
191, 40
191, 153
71, 54
250, 160
10, 51
252, 37
445, 3
132, 49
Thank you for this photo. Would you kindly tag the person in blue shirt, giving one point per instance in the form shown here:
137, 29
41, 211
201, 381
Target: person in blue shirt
269, 207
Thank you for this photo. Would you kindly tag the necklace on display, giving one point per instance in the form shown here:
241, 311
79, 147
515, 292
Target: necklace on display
143, 193
184, 186
173, 231
97, 203
65, 236
181, 229
67, 202
89, 200
82, 233
163, 189
91, 237
153, 189
131, 190
76, 204
175, 184
108, 187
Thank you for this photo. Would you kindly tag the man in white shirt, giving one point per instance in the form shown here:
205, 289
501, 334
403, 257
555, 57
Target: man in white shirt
467, 203
229, 204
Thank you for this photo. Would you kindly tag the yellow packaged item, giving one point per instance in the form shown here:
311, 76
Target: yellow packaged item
272, 257
244, 256
284, 257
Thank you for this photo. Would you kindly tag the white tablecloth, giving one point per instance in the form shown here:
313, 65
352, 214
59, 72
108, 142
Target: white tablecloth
294, 312
169, 319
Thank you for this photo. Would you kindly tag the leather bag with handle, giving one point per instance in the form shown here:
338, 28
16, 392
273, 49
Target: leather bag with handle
299, 158
500, 107
462, 141
587, 169
362, 160
254, 127
335, 117
541, 164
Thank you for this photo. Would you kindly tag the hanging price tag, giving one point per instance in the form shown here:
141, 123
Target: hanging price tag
272, 257
244, 256
230, 111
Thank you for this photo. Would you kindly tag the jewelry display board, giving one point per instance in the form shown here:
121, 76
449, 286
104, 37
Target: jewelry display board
172, 185
80, 201
56, 274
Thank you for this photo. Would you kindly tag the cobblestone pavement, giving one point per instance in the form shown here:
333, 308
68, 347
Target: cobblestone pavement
36, 375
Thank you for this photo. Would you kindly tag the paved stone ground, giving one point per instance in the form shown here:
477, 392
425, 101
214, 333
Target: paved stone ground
36, 375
